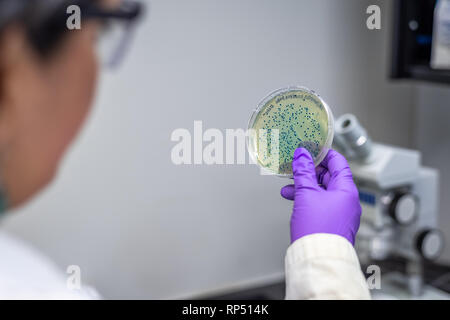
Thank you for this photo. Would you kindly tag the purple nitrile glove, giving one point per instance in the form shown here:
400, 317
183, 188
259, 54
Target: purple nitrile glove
331, 207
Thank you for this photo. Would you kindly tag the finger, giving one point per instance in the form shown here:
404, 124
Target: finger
320, 170
288, 192
326, 179
304, 170
323, 176
340, 175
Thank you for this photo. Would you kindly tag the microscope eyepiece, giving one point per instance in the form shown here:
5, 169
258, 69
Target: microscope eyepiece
352, 138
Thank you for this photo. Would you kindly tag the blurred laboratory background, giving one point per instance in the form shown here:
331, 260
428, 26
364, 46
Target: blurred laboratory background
140, 226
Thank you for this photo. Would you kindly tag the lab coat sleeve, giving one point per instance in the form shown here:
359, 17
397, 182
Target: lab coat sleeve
324, 266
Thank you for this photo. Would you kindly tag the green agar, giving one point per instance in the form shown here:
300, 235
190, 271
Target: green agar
288, 121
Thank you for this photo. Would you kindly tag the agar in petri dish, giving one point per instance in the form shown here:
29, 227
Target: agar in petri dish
287, 119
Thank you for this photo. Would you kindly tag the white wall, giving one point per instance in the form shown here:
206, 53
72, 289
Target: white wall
141, 227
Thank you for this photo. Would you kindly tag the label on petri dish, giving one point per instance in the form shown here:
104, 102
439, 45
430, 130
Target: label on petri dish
287, 121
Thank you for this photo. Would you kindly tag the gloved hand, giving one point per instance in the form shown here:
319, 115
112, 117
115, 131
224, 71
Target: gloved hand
331, 207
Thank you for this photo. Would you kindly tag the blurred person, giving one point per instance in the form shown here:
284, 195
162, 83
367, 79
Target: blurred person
47, 82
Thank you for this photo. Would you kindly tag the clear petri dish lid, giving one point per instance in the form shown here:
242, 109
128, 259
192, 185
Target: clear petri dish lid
287, 119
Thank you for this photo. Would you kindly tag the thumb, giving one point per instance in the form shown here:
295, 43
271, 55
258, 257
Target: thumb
304, 170
340, 173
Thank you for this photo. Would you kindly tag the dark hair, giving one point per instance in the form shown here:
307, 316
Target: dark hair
44, 21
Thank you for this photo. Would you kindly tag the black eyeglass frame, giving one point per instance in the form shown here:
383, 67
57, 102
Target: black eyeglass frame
128, 10
45, 32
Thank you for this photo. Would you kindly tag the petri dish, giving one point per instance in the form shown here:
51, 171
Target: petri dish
287, 119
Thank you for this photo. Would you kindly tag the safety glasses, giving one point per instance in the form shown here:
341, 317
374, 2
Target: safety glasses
46, 22
117, 29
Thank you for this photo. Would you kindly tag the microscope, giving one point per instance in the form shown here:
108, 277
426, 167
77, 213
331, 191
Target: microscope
399, 199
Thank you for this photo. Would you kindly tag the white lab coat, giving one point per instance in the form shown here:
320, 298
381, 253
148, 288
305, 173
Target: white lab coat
27, 274
318, 266
324, 266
